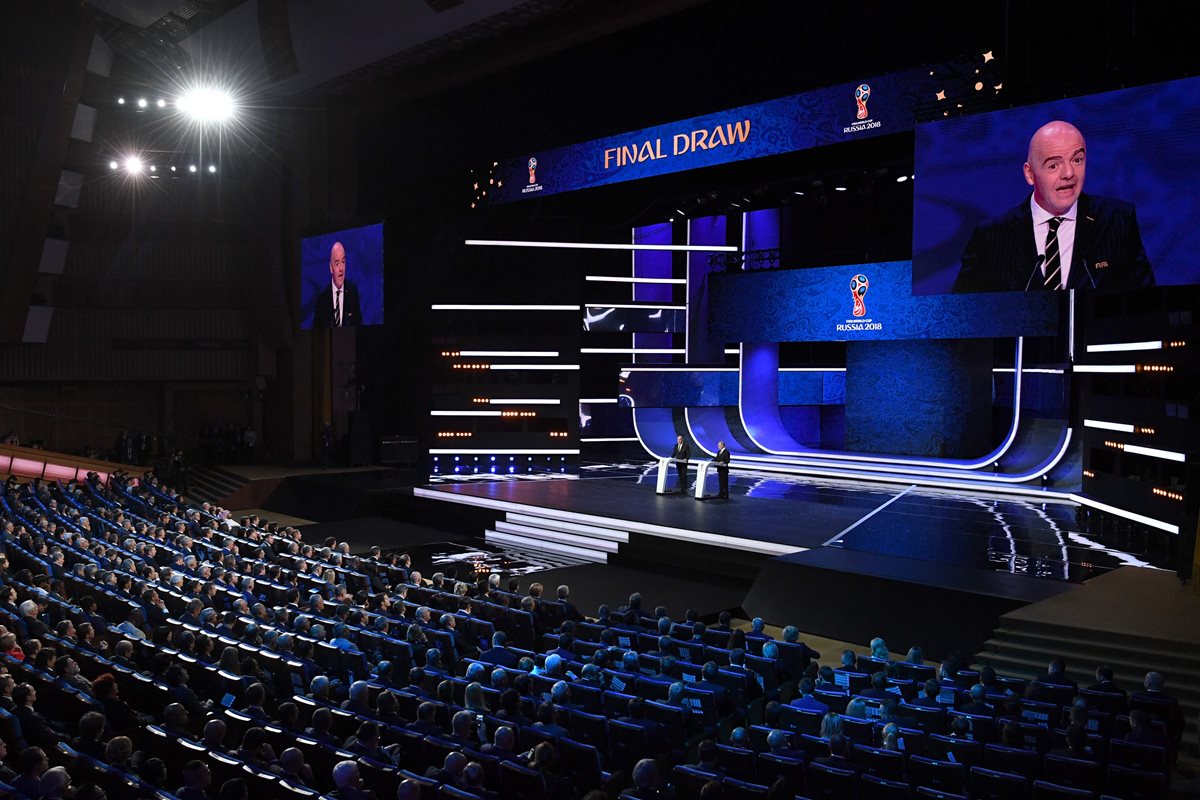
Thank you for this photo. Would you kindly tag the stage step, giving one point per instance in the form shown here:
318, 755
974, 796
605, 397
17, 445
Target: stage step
1024, 648
547, 535
527, 543
565, 526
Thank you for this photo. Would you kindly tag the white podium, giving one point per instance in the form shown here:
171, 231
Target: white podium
664, 470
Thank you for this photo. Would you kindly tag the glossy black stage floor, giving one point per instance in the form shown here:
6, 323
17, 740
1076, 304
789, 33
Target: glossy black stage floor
836, 558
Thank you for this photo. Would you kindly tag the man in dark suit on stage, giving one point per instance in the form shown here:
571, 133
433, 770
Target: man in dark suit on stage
721, 459
337, 305
1059, 238
681, 454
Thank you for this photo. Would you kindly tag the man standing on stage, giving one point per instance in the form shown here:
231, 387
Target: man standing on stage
721, 459
681, 454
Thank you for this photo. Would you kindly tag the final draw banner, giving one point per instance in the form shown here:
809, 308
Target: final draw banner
834, 114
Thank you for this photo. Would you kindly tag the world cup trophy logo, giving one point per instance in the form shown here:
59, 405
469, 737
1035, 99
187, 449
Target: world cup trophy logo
861, 95
533, 170
858, 290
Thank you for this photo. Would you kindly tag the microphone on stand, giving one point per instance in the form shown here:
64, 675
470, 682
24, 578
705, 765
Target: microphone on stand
1037, 270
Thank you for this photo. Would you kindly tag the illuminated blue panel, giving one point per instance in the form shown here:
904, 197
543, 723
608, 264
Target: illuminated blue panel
700, 349
652, 264
697, 388
922, 398
816, 305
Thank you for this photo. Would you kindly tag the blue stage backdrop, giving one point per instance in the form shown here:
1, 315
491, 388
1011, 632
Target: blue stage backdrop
868, 107
364, 271
902, 399
1143, 147
862, 302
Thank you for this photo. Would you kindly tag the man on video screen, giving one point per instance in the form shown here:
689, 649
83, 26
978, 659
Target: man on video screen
1059, 237
337, 304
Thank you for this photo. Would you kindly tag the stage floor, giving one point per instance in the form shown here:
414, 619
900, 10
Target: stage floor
991, 532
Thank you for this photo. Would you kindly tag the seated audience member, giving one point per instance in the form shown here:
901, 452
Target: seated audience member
645, 780
1056, 675
1104, 682
1142, 732
806, 700
977, 704
349, 784
1076, 745
31, 765
196, 780
1160, 704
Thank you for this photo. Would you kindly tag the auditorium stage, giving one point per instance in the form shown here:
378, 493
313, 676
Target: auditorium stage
779, 515
962, 561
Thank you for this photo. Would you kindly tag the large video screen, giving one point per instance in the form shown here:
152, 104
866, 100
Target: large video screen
1094, 193
341, 278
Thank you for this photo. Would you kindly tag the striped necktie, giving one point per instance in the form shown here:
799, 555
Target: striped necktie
1053, 264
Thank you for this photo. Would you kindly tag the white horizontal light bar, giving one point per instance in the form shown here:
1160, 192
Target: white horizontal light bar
534, 366
812, 369
1154, 452
1120, 512
499, 307
1123, 347
604, 245
733, 351
1105, 368
507, 353
464, 413
633, 350
646, 306
619, 279
523, 401
612, 400
679, 369
611, 439
1027, 371
1108, 426
491, 451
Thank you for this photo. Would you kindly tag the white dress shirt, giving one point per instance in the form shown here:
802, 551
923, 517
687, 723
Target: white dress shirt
1066, 237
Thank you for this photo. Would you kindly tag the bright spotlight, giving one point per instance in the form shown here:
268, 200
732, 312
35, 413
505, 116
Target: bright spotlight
133, 164
901, 179
206, 105
212, 168
120, 101
172, 168
112, 165
142, 102
161, 103
153, 168
191, 167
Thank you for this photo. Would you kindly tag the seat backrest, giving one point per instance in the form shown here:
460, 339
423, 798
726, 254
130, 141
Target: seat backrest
1136, 784
1026, 763
736, 761
690, 780
1074, 772
1137, 756
872, 787
1045, 790
997, 785
944, 775
830, 782
875, 761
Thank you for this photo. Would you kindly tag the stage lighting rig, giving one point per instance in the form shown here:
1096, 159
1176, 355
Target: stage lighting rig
207, 105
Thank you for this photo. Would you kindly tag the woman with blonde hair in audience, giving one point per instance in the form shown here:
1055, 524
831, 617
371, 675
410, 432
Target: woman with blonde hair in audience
831, 724
889, 737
